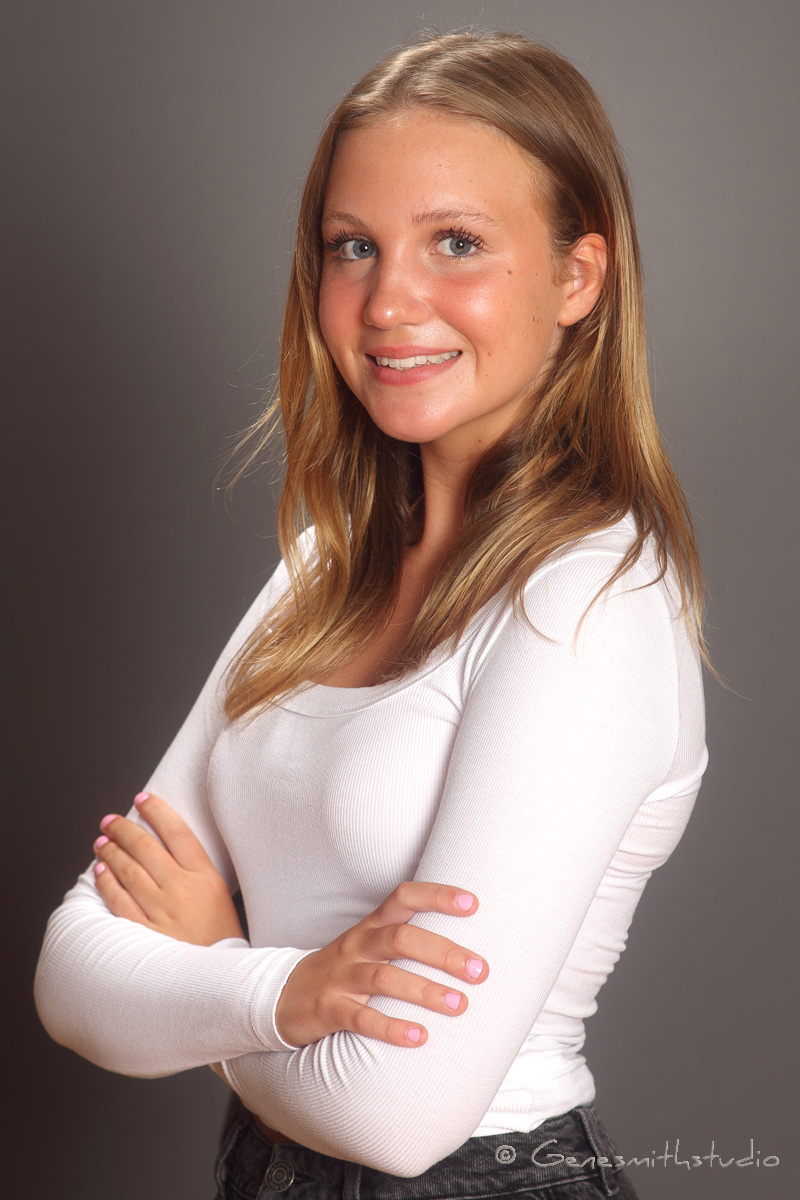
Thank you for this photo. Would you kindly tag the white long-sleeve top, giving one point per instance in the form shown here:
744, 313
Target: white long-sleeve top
547, 765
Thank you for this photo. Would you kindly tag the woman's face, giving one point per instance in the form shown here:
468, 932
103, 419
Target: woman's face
434, 249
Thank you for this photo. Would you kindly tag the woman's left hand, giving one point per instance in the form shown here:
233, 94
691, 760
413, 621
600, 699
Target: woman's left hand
175, 888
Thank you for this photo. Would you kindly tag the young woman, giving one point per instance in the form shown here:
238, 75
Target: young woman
471, 688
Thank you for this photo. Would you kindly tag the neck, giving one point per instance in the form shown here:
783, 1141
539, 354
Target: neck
445, 484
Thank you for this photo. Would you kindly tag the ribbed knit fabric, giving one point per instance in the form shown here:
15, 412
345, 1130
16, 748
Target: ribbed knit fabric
548, 765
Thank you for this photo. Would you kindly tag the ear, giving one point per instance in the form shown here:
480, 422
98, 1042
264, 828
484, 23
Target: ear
586, 272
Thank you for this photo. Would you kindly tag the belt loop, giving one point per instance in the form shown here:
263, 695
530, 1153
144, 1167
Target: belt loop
351, 1184
596, 1140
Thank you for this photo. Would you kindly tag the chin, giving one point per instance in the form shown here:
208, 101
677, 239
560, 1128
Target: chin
416, 432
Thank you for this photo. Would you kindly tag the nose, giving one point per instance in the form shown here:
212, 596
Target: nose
397, 295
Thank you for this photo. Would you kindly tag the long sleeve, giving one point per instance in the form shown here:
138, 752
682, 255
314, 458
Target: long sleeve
564, 737
138, 1002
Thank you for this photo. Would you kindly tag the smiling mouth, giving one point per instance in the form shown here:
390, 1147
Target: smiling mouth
418, 360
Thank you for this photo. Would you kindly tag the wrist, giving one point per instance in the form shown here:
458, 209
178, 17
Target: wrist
288, 1021
264, 1003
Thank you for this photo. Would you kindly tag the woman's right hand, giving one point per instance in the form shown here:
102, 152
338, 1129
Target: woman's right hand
328, 990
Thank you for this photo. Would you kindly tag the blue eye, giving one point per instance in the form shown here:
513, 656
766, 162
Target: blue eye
458, 243
456, 247
356, 248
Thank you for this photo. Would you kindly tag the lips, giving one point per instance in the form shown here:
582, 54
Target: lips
409, 364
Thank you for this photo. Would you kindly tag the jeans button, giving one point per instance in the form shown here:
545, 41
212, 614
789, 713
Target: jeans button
279, 1175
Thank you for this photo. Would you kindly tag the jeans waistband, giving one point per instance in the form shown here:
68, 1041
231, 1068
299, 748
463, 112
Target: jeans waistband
566, 1149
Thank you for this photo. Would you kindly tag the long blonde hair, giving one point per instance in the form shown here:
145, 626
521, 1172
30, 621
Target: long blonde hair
586, 451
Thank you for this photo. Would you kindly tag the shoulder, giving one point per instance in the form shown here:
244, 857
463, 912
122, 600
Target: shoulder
569, 609
578, 665
584, 583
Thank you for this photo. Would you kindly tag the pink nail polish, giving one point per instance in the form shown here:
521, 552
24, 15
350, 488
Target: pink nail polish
101, 841
140, 798
413, 1035
464, 901
452, 999
106, 821
99, 868
474, 968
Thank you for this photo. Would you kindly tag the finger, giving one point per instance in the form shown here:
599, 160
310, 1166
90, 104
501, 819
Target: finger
424, 946
129, 874
182, 843
142, 847
384, 979
413, 896
368, 1022
119, 902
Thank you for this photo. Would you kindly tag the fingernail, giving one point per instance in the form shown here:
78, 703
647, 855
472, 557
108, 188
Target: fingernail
452, 999
106, 821
140, 797
413, 1035
99, 868
101, 841
474, 968
464, 901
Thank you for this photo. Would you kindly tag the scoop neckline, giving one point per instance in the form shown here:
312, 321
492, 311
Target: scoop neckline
325, 699
320, 699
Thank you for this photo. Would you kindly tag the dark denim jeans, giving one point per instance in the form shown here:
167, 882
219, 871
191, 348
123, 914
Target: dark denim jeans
570, 1157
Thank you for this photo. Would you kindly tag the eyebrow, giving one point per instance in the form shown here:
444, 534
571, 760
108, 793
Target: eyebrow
438, 216
442, 215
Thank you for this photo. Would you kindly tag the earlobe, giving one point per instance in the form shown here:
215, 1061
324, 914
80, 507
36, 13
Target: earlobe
586, 272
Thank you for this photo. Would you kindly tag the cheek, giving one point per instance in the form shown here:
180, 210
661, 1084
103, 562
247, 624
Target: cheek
475, 308
497, 315
511, 325
326, 311
337, 310
505, 297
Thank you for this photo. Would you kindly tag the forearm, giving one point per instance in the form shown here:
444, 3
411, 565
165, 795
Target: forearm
137, 1002
350, 1097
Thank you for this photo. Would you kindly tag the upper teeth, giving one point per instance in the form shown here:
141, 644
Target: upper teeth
405, 364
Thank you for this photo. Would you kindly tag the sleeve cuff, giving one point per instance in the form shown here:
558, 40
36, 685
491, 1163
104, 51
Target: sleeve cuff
265, 1000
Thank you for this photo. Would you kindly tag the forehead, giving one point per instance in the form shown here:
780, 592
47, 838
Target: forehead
418, 154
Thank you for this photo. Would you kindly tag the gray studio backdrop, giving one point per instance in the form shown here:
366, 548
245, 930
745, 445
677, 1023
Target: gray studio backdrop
156, 149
